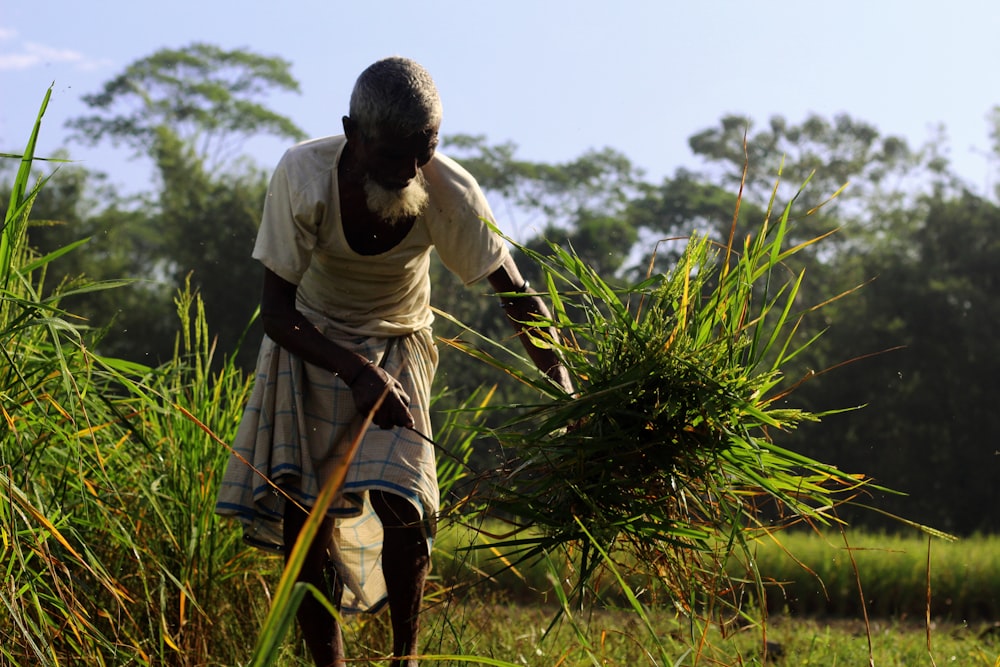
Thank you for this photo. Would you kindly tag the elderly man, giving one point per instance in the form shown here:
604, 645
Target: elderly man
345, 240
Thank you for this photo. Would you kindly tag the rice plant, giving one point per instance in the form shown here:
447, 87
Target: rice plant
111, 549
665, 459
46, 409
112, 552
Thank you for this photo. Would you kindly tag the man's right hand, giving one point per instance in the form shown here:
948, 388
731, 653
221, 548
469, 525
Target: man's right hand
369, 385
291, 330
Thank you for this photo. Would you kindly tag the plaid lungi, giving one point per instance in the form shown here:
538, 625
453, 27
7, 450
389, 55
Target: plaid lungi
293, 432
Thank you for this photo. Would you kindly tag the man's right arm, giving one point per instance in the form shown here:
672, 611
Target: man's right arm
290, 329
525, 308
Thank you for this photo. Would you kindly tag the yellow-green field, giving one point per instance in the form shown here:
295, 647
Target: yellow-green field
111, 553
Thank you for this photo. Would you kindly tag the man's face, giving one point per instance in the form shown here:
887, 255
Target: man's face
393, 161
394, 185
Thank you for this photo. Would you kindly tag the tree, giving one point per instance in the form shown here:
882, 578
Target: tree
929, 420
208, 226
597, 185
206, 96
188, 110
79, 204
874, 175
681, 206
993, 120
831, 152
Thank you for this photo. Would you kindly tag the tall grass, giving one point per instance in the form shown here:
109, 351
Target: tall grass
805, 573
50, 419
112, 553
666, 462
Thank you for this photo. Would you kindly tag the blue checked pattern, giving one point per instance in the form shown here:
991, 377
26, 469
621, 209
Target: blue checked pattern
293, 432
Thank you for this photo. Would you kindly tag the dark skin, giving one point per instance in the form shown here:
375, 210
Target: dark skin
392, 162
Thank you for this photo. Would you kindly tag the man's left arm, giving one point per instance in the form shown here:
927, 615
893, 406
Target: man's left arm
521, 309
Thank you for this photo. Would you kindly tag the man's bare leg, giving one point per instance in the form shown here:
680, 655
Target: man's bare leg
405, 563
319, 628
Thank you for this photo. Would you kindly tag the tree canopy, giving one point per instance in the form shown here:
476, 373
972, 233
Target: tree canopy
188, 110
208, 97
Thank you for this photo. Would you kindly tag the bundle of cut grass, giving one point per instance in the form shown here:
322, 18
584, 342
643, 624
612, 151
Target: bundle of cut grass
665, 450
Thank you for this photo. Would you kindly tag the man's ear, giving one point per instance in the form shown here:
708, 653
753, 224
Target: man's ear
350, 127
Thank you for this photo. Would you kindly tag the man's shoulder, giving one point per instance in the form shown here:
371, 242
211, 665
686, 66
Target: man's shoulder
307, 165
445, 172
321, 150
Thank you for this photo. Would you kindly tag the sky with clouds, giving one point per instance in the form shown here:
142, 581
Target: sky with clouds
556, 78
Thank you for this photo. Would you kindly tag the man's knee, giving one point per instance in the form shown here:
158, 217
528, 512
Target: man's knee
394, 510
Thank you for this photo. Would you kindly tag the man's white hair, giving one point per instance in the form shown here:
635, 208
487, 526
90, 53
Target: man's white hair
395, 95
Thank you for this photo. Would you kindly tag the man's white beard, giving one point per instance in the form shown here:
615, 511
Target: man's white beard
395, 205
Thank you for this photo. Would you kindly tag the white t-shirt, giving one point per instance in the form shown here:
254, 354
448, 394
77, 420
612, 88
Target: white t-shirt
301, 239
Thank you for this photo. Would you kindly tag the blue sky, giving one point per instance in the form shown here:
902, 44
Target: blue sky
557, 78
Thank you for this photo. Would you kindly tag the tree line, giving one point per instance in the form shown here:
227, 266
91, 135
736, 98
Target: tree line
904, 362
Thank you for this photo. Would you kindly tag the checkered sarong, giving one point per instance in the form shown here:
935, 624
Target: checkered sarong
293, 432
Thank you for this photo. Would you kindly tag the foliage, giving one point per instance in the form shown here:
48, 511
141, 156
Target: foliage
112, 554
666, 450
111, 546
597, 182
201, 94
930, 413
207, 228
579, 202
76, 206
187, 110
831, 152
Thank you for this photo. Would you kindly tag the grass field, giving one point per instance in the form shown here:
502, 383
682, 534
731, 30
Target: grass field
616, 640
805, 573
516, 619
111, 553
523, 635
479, 607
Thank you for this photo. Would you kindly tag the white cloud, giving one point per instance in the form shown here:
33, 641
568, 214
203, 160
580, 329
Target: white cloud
7, 33
16, 61
48, 54
33, 54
